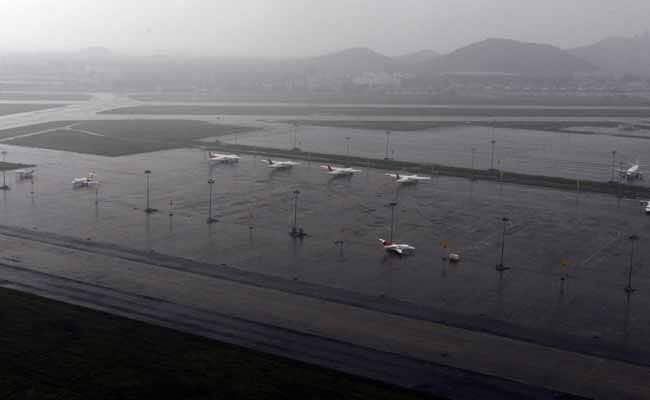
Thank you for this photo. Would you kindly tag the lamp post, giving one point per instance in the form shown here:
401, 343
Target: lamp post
295, 232
387, 144
633, 239
295, 137
392, 206
492, 142
4, 173
210, 219
148, 209
500, 267
473, 155
339, 244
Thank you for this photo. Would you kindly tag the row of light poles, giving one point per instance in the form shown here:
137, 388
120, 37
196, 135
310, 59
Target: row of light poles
149, 210
501, 266
298, 232
387, 154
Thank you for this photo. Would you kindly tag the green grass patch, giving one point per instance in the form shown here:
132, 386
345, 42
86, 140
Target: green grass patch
6, 109
117, 137
54, 350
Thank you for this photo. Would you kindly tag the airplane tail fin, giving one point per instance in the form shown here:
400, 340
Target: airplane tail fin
385, 242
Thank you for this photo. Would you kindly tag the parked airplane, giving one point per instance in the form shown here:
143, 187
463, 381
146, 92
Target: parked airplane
631, 173
24, 175
408, 178
280, 164
396, 248
87, 181
646, 206
222, 158
338, 171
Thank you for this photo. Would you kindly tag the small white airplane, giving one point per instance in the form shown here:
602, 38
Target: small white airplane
408, 178
646, 206
339, 171
280, 164
397, 248
88, 181
24, 175
223, 158
631, 173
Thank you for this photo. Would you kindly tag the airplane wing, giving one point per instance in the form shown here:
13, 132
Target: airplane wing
398, 250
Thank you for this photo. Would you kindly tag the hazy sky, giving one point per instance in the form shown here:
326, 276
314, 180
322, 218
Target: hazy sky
308, 27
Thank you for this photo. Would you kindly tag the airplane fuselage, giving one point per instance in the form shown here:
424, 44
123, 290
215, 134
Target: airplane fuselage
408, 179
281, 164
397, 248
336, 171
223, 158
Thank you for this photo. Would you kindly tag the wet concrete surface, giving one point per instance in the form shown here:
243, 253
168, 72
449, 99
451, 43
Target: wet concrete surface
568, 155
589, 232
303, 328
551, 235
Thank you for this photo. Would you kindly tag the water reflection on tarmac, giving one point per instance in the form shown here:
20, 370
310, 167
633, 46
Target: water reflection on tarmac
570, 155
254, 204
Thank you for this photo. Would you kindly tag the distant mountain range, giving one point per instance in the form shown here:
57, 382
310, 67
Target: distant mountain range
618, 55
502, 56
348, 62
491, 56
498, 56
422, 56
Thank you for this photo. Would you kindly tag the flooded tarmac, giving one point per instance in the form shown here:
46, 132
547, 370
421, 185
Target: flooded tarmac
568, 155
551, 235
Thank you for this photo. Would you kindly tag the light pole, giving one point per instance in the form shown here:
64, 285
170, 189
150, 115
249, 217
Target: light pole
613, 163
148, 210
387, 144
4, 173
493, 142
473, 155
339, 244
500, 267
633, 239
295, 137
210, 219
295, 232
392, 206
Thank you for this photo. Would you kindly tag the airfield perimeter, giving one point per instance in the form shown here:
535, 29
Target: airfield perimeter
523, 325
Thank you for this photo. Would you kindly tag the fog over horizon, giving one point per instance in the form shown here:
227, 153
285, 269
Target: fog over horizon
299, 28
